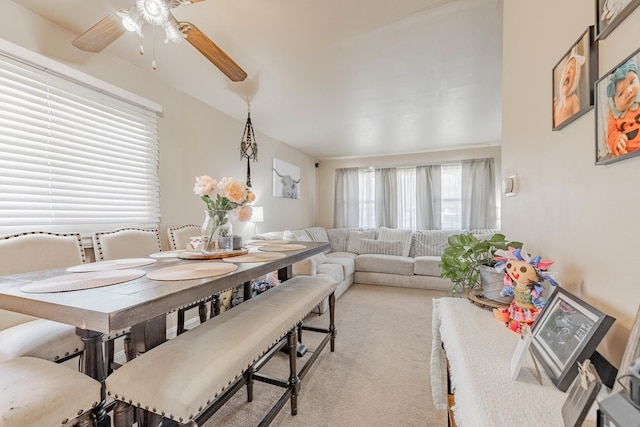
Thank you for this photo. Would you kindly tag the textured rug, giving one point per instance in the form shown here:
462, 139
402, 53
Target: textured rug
379, 374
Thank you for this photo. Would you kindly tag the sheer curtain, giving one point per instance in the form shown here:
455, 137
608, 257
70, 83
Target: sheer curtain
346, 198
428, 198
478, 194
407, 200
386, 188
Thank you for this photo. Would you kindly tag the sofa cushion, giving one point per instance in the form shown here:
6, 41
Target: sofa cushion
385, 264
333, 271
296, 236
309, 266
431, 242
426, 265
271, 235
317, 234
348, 264
404, 236
385, 247
355, 237
339, 238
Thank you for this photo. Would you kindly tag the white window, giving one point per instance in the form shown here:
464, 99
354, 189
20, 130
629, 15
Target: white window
367, 197
72, 157
451, 190
451, 186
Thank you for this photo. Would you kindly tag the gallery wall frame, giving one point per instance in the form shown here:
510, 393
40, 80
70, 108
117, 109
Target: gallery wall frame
566, 333
573, 78
286, 180
617, 124
610, 13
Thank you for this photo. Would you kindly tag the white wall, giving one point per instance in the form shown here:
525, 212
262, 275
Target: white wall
195, 139
327, 168
568, 210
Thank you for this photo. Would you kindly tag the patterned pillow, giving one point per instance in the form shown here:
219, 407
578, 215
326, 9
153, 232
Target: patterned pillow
296, 236
392, 234
383, 247
339, 238
318, 234
355, 237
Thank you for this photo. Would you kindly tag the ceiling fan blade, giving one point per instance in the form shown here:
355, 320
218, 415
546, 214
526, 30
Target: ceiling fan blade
101, 35
212, 52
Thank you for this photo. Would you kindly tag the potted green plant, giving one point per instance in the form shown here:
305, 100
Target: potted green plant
462, 259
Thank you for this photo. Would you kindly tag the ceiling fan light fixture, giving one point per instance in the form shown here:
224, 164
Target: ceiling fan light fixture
173, 34
131, 20
155, 12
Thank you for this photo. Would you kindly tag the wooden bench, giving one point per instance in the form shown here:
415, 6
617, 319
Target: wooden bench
191, 376
37, 392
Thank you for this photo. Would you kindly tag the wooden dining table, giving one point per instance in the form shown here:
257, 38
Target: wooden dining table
141, 304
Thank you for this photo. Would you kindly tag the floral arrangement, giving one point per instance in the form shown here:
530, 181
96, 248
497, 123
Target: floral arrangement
222, 197
227, 195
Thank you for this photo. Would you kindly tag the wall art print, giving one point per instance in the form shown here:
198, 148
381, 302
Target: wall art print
573, 79
618, 112
610, 13
286, 180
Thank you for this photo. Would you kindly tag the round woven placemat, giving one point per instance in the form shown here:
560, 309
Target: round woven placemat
221, 253
112, 264
281, 248
192, 270
80, 281
256, 257
268, 242
166, 254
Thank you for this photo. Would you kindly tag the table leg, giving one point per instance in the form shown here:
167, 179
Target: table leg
247, 291
93, 365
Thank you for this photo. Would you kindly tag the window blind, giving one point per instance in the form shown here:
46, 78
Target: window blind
72, 157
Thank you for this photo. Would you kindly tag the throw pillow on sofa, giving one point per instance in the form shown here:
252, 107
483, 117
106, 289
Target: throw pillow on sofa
381, 247
317, 234
355, 237
393, 234
296, 236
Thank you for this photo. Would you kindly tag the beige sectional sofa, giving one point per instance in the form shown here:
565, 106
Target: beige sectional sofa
380, 256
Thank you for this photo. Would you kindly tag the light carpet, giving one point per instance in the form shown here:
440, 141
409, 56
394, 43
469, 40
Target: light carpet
379, 374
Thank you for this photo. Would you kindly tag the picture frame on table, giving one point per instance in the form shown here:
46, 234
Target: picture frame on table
572, 80
617, 95
566, 333
631, 353
610, 13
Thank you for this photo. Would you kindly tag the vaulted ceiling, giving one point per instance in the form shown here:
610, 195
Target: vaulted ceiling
333, 78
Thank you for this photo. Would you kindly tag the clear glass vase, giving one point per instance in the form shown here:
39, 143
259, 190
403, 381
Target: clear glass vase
217, 233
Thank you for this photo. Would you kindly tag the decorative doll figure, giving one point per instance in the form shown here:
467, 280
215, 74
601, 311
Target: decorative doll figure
523, 280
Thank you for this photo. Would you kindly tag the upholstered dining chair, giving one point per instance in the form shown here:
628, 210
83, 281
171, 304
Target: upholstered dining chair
178, 238
118, 244
22, 335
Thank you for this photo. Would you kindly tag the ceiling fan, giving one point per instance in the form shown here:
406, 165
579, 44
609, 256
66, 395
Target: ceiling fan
157, 13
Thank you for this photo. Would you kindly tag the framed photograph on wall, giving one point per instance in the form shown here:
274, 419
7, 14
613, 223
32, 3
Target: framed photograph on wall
610, 13
573, 79
566, 333
618, 112
286, 180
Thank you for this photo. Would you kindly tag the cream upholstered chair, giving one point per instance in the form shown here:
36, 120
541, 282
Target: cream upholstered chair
22, 335
37, 392
126, 243
118, 244
179, 236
